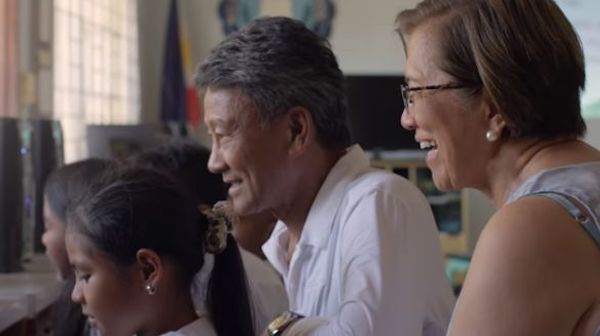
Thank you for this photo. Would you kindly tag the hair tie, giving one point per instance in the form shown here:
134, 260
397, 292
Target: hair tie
220, 223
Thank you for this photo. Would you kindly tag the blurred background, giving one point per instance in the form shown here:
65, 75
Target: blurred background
106, 78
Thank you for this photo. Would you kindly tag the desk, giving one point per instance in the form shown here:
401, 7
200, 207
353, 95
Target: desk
24, 295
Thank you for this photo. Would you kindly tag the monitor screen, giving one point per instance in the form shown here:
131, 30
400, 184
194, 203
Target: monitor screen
374, 109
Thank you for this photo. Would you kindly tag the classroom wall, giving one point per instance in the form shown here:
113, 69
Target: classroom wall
363, 38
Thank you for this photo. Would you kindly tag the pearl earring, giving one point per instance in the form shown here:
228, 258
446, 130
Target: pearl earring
491, 136
151, 290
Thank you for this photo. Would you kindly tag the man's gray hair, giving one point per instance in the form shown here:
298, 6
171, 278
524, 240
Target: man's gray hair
278, 63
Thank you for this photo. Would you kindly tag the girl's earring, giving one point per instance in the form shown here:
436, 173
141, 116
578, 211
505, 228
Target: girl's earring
151, 290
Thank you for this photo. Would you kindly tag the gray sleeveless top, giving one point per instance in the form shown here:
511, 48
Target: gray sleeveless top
575, 187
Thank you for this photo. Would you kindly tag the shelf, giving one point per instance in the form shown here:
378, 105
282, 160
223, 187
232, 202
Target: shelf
450, 209
444, 199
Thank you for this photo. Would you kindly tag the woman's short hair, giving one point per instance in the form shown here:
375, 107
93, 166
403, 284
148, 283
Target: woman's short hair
523, 54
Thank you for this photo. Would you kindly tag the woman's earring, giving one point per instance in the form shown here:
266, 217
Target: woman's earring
491, 136
151, 290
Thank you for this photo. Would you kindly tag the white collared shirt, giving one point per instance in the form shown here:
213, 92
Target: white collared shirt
368, 261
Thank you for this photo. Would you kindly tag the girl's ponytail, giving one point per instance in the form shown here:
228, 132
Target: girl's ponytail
228, 299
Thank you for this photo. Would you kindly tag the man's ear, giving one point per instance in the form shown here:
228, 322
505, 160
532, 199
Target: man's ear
300, 129
150, 265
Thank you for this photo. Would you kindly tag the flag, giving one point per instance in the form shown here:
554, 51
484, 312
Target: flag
180, 103
193, 101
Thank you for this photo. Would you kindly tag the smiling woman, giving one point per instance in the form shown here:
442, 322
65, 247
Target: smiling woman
511, 127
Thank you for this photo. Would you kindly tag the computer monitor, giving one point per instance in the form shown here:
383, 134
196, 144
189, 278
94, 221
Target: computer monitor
375, 107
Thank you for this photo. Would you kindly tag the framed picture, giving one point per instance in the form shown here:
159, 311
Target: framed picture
316, 14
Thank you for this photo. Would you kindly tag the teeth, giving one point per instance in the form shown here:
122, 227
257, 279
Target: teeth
427, 144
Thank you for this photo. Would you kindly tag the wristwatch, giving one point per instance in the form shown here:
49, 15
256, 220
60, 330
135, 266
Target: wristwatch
281, 322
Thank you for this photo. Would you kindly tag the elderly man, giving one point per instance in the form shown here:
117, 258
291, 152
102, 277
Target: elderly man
357, 247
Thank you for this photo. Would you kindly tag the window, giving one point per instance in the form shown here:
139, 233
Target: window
8, 58
96, 67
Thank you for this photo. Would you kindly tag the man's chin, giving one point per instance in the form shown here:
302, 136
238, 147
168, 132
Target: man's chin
241, 208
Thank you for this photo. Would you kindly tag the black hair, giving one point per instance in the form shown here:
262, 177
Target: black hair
187, 162
136, 208
66, 184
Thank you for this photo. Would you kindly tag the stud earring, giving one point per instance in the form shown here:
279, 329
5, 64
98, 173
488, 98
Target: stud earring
151, 290
491, 136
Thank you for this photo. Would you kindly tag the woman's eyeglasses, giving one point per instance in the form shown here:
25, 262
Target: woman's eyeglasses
406, 90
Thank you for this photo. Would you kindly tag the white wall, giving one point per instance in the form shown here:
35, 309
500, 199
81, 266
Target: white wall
152, 17
362, 37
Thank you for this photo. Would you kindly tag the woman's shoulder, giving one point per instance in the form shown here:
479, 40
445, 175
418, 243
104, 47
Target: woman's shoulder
531, 266
535, 240
534, 225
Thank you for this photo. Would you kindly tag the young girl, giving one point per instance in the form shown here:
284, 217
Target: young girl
187, 162
62, 187
135, 243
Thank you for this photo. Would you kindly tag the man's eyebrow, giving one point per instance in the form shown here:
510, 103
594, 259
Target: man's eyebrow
221, 122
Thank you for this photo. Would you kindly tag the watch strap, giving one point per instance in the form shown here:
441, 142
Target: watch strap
281, 322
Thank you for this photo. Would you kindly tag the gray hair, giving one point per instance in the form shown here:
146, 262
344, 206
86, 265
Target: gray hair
278, 63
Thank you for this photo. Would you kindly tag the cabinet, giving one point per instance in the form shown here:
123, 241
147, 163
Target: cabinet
450, 209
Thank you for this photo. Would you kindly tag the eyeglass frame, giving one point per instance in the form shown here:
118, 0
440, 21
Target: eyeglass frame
405, 90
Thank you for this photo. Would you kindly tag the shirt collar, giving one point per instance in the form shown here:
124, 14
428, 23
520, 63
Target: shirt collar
275, 248
320, 218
